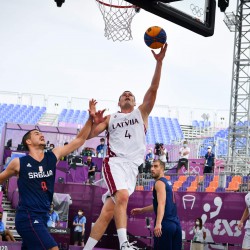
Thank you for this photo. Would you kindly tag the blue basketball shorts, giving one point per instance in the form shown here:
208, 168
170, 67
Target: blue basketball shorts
32, 227
171, 238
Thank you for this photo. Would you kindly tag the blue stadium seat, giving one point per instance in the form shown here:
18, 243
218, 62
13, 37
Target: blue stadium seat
195, 123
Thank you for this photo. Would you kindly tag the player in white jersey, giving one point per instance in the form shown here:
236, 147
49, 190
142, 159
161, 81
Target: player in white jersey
245, 216
126, 136
126, 148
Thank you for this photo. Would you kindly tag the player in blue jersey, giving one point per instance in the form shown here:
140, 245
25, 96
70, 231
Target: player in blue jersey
36, 172
167, 230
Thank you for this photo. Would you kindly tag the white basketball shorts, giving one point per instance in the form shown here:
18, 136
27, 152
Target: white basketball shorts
119, 174
246, 240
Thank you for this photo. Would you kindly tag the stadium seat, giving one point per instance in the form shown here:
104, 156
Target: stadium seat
237, 178
192, 189
182, 178
214, 184
177, 185
216, 178
147, 188
139, 188
220, 189
210, 189
233, 186
194, 184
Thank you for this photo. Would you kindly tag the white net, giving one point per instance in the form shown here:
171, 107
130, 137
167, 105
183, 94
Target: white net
117, 16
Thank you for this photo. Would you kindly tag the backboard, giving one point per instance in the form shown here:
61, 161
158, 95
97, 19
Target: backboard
195, 15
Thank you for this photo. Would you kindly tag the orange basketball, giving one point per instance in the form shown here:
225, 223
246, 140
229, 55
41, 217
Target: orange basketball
155, 37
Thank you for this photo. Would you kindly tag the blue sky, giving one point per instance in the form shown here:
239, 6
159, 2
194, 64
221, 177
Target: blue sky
62, 51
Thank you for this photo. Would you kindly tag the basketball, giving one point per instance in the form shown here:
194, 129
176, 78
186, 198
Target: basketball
155, 37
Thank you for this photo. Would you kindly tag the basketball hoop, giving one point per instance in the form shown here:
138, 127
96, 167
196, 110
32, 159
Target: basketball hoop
117, 16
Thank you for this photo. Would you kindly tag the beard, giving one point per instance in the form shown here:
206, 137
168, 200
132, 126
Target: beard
154, 176
127, 105
43, 145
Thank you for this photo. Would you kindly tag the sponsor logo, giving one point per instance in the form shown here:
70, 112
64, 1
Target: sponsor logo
40, 168
59, 230
36, 222
28, 165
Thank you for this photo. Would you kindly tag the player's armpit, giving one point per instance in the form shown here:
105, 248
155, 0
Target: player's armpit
12, 170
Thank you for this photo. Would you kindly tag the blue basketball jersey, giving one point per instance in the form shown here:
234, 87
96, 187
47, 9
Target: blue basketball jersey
36, 183
170, 207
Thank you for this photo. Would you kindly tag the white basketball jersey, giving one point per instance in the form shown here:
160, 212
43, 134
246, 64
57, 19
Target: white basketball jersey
126, 136
247, 200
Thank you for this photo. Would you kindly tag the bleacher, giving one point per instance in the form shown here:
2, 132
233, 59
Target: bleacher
160, 129
198, 183
220, 138
201, 124
70, 116
22, 114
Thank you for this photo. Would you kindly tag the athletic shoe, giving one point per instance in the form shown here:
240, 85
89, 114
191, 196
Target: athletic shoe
129, 246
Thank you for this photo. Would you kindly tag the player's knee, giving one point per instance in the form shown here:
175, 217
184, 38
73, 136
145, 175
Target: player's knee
121, 197
107, 212
108, 215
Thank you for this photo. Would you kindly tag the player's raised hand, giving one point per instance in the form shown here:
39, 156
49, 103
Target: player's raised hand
159, 57
92, 107
98, 117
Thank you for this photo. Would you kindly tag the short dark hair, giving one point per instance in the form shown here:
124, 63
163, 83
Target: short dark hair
26, 137
102, 139
126, 91
162, 164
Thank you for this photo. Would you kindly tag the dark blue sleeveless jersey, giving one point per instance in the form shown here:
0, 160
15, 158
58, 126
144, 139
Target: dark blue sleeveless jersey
36, 183
170, 213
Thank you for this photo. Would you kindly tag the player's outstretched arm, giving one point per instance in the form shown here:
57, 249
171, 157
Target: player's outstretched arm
12, 170
243, 218
100, 124
81, 137
161, 198
142, 210
150, 96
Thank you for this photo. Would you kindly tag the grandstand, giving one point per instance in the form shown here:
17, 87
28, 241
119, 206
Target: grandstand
164, 130
63, 58
15, 113
64, 123
55, 111
171, 131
